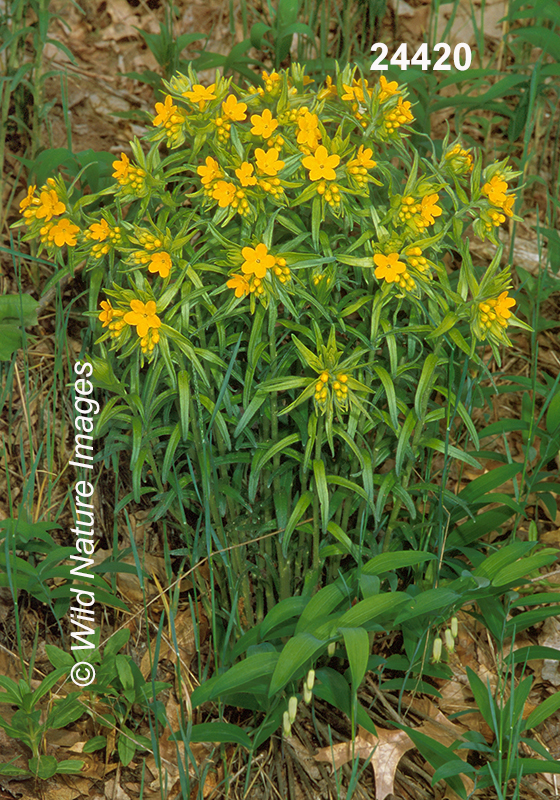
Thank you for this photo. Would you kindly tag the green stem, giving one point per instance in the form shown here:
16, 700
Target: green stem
316, 526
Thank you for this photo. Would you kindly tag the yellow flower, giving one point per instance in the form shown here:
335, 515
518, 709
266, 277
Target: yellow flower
209, 172
224, 193
429, 209
143, 315
201, 95
240, 284
387, 89
495, 190
308, 132
329, 89
245, 174
121, 168
29, 199
257, 260
64, 232
233, 109
363, 157
164, 111
349, 92
263, 125
50, 205
321, 165
106, 316
503, 304
268, 162
388, 267
99, 231
271, 80
507, 207
160, 262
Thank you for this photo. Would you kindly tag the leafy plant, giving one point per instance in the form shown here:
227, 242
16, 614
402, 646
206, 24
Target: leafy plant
30, 724
290, 365
121, 686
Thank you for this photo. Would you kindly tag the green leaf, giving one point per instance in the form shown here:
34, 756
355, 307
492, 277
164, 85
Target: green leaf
242, 674
369, 609
296, 652
437, 755
450, 450
286, 609
322, 491
295, 516
385, 562
514, 572
425, 384
404, 436
219, 732
426, 603
483, 697
70, 766
43, 767
356, 642
476, 489
260, 458
389, 387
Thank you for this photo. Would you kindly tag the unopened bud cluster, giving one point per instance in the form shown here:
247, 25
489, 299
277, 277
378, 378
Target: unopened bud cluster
450, 634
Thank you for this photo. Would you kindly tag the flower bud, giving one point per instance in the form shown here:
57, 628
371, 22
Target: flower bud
310, 680
449, 641
454, 627
286, 726
436, 652
292, 709
331, 648
307, 694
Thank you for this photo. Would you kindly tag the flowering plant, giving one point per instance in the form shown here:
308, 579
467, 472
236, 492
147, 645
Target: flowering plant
246, 229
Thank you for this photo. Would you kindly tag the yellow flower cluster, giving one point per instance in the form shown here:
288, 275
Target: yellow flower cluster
171, 118
494, 313
106, 237
44, 207
390, 269
495, 190
140, 315
420, 213
256, 267
339, 386
130, 177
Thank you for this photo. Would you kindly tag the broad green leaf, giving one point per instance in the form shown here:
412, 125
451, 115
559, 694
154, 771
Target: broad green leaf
504, 557
483, 697
220, 732
514, 572
543, 710
369, 609
426, 603
282, 611
386, 562
356, 642
437, 755
296, 652
241, 675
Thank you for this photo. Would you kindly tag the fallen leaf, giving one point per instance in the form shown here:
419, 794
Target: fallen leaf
388, 749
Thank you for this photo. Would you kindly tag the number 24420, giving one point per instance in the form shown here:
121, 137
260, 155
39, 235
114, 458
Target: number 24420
462, 56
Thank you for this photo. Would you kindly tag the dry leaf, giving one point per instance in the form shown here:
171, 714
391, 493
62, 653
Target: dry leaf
388, 749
